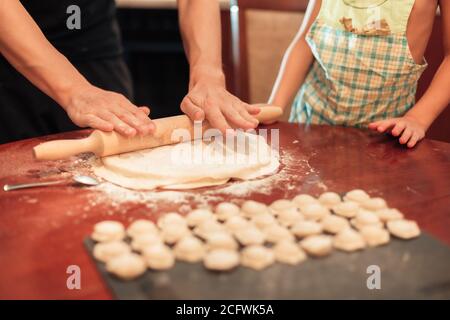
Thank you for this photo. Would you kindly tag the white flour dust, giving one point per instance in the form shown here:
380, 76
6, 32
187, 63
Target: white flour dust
286, 177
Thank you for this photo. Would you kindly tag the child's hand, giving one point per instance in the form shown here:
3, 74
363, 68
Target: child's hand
407, 128
93, 107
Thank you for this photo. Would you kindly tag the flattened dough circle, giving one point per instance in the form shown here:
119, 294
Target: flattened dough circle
189, 165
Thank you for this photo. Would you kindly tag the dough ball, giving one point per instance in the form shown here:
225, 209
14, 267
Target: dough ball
264, 220
276, 233
317, 245
126, 266
208, 227
315, 211
289, 252
140, 242
108, 231
172, 233
159, 257
140, 227
226, 210
290, 216
189, 249
357, 196
302, 200
306, 228
334, 224
349, 240
251, 208
198, 216
105, 251
330, 199
170, 218
257, 257
221, 240
250, 236
388, 214
221, 259
236, 223
374, 204
280, 205
366, 218
403, 229
346, 209
375, 236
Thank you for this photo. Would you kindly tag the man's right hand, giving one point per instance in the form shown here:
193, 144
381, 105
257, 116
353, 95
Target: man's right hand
89, 106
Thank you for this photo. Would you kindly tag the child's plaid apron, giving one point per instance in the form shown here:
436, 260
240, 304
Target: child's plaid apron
357, 78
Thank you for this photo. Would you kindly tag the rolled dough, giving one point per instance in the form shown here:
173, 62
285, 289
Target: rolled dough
192, 164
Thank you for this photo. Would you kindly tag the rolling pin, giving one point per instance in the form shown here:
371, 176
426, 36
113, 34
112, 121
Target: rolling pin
110, 143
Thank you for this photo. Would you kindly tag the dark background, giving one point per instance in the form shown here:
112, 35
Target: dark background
155, 56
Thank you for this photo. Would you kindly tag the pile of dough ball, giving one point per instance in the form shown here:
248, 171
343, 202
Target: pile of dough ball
253, 235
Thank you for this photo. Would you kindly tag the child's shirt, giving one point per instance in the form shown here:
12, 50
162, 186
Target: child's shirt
363, 69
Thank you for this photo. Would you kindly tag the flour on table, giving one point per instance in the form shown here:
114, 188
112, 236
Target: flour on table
292, 168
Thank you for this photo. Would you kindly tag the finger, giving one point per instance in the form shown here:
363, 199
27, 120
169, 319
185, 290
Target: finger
119, 125
233, 116
407, 133
414, 139
248, 112
133, 121
96, 122
194, 112
135, 118
398, 129
252, 109
145, 110
376, 124
217, 119
373, 125
148, 126
385, 125
247, 116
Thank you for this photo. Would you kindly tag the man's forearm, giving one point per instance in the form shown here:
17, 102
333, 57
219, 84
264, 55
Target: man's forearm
26, 48
201, 31
436, 98
207, 97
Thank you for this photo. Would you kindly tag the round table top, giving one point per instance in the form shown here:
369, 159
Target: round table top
42, 229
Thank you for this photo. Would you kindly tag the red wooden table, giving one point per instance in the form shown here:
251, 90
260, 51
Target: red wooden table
42, 230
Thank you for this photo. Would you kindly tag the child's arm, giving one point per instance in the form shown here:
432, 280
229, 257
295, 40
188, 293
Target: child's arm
296, 62
26, 48
412, 126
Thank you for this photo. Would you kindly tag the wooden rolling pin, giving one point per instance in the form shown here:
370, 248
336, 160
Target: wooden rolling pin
109, 143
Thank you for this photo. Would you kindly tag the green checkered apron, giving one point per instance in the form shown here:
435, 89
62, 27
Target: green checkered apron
361, 73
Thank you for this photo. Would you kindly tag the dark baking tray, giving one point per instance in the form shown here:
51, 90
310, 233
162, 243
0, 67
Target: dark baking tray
415, 269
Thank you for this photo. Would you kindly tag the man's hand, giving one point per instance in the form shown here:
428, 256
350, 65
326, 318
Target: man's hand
211, 101
89, 106
409, 129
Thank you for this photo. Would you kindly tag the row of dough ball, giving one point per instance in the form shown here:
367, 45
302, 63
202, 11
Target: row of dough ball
252, 226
